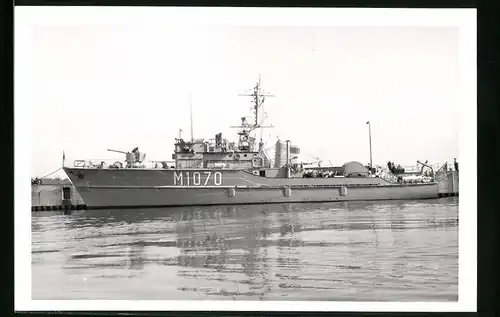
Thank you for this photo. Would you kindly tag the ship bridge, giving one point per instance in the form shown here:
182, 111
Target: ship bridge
219, 154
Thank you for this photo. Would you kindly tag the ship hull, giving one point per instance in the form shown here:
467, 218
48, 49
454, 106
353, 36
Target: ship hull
164, 188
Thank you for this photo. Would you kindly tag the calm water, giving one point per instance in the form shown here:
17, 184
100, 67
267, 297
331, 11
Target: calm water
391, 251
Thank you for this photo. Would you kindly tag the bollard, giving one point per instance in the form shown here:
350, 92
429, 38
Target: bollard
288, 192
343, 191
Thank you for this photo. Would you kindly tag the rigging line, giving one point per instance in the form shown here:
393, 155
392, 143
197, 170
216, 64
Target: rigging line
60, 168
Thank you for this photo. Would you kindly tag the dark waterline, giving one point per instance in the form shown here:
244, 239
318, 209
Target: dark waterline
366, 251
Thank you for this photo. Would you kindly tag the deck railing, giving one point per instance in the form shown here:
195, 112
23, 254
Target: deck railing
113, 163
109, 163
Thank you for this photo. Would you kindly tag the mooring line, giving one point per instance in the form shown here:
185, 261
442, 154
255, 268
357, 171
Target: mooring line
60, 168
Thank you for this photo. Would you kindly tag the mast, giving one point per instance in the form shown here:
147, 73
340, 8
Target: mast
191, 117
287, 158
370, 141
258, 98
287, 153
256, 92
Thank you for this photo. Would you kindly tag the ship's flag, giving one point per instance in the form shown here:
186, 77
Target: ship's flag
367, 122
64, 156
294, 150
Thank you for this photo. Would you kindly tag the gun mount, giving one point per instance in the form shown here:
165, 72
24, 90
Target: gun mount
133, 158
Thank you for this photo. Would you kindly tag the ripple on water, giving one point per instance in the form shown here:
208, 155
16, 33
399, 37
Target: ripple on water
405, 251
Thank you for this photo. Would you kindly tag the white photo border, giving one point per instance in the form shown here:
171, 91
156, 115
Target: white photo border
465, 19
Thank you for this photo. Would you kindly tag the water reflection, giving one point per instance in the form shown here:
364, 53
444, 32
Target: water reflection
338, 251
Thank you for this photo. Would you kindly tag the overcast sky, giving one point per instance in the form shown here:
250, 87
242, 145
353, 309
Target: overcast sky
99, 86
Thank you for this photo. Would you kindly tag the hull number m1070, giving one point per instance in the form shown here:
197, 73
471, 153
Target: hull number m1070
198, 178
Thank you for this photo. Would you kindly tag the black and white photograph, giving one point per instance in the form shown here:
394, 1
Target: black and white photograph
245, 158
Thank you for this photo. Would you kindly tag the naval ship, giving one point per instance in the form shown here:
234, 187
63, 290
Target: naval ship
219, 172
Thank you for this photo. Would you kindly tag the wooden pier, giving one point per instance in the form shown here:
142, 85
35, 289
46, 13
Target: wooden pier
53, 197
448, 184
